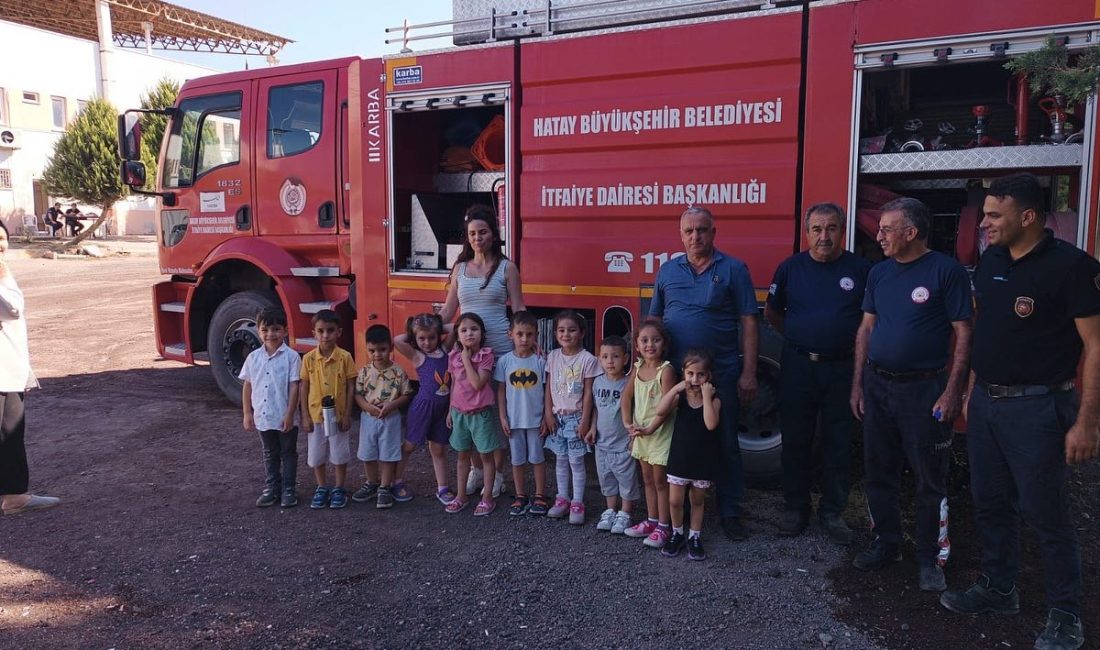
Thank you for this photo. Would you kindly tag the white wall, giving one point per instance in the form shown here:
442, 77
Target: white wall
62, 66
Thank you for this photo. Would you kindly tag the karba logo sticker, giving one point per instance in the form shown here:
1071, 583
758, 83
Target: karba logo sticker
1024, 306
847, 283
919, 295
292, 196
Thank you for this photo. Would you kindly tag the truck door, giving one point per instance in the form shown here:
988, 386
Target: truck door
207, 158
296, 154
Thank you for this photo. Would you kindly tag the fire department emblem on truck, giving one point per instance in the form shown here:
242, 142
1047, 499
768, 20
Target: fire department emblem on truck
1024, 306
292, 197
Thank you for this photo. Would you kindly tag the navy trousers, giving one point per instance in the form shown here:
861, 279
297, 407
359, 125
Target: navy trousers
1018, 469
14, 475
731, 481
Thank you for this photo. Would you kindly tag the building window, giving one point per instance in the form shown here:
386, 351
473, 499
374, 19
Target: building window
3, 107
29, 97
80, 106
5, 179
59, 113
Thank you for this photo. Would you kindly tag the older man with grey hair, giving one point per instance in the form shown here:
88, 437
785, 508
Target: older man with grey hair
706, 298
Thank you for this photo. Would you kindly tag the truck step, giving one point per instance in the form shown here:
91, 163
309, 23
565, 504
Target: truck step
311, 342
314, 307
175, 350
315, 271
177, 307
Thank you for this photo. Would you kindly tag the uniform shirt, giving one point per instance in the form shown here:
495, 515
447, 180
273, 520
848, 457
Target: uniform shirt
15, 357
915, 304
272, 377
523, 387
380, 386
611, 433
1024, 332
327, 376
821, 301
463, 396
704, 310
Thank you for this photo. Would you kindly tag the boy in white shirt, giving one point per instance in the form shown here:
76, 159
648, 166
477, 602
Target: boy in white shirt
270, 399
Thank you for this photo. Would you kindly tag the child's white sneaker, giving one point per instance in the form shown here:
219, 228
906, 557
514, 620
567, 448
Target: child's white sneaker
621, 523
475, 480
607, 520
559, 509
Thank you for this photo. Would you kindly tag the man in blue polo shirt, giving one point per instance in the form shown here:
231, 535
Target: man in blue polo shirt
704, 298
907, 385
815, 300
1038, 308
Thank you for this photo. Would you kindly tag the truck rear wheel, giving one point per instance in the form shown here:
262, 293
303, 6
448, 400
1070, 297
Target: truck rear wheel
233, 335
758, 430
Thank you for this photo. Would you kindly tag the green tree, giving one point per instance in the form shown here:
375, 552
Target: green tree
84, 165
162, 95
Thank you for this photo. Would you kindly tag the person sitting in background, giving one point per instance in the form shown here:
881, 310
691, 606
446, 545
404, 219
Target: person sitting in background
53, 219
72, 220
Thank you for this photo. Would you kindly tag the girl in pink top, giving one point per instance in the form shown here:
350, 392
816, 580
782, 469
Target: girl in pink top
471, 416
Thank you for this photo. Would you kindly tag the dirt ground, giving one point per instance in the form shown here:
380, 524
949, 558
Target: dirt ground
158, 544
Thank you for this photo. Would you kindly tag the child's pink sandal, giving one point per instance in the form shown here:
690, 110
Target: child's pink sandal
456, 506
484, 508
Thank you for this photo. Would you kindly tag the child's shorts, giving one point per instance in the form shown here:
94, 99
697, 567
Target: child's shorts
334, 449
677, 480
427, 422
618, 473
380, 438
566, 441
525, 446
477, 429
653, 448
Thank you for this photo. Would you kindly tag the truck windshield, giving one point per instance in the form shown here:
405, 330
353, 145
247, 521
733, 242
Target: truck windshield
204, 134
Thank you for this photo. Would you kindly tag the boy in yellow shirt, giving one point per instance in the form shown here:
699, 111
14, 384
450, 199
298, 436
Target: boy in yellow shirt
327, 371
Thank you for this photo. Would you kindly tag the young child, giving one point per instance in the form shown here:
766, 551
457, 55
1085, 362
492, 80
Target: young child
270, 399
616, 468
381, 390
519, 376
650, 434
570, 370
471, 415
696, 448
422, 343
327, 372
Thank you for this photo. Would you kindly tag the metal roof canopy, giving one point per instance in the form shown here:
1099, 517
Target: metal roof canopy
173, 27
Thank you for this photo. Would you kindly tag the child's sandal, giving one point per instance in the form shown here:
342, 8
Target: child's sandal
484, 508
456, 505
444, 495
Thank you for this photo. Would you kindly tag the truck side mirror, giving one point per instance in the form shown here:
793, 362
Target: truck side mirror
129, 137
133, 174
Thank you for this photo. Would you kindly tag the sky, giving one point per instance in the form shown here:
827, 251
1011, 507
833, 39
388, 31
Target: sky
325, 29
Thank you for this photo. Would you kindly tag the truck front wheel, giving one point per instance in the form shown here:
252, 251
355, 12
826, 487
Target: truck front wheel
233, 335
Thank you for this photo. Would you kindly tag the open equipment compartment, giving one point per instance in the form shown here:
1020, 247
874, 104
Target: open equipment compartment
448, 152
939, 121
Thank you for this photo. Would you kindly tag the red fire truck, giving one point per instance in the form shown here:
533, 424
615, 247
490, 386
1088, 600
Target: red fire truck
590, 126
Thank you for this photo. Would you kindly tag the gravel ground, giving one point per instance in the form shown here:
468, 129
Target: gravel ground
158, 544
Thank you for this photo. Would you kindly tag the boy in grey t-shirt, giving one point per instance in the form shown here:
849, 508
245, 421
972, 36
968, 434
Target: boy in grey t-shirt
519, 376
617, 470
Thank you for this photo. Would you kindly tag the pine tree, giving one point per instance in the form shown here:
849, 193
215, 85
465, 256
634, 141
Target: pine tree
85, 166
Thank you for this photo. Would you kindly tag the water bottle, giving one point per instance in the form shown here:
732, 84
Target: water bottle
328, 416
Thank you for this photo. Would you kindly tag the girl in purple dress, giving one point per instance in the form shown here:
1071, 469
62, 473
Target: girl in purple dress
423, 344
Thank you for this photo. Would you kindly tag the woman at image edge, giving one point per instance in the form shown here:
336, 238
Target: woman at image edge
15, 379
484, 282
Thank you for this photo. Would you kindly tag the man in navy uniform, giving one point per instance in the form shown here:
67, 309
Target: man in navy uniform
815, 301
907, 385
1038, 302
706, 299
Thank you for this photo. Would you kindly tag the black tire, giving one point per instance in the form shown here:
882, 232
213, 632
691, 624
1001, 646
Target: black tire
233, 335
758, 429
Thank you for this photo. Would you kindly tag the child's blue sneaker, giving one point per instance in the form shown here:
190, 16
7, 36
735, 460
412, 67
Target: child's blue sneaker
339, 498
320, 498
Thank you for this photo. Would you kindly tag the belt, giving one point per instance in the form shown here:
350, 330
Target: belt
846, 355
997, 391
912, 375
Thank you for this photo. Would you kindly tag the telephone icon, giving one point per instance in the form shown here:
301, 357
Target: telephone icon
618, 261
